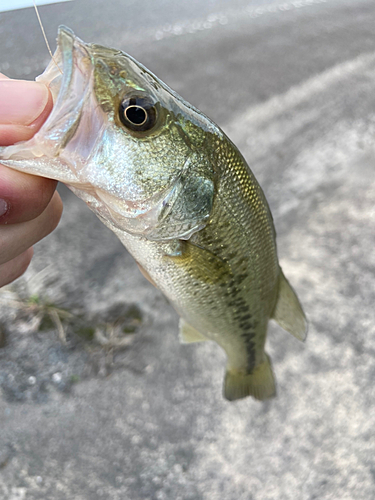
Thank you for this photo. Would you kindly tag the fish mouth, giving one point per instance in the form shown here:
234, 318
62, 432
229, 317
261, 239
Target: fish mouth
68, 76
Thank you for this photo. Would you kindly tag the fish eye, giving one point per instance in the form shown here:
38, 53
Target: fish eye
138, 113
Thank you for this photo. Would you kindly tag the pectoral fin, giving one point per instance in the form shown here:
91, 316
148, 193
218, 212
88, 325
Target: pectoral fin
260, 383
146, 275
188, 334
288, 312
201, 263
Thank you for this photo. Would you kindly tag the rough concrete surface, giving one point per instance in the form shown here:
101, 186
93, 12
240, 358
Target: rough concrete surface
112, 406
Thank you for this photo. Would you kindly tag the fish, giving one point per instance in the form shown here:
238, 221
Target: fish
177, 193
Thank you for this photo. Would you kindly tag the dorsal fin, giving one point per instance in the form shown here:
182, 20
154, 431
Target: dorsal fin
288, 312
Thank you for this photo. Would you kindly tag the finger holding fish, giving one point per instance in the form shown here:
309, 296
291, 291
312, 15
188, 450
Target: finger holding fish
29, 206
17, 238
24, 107
25, 196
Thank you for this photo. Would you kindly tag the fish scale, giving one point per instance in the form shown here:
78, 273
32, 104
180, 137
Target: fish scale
178, 194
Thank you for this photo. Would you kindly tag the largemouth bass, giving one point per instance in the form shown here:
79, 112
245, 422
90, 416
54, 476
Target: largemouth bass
178, 194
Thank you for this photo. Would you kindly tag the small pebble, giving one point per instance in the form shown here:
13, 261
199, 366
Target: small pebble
57, 377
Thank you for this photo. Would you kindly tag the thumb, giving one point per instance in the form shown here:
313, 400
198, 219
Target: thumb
24, 106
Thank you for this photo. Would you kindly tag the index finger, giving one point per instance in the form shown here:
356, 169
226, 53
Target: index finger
23, 196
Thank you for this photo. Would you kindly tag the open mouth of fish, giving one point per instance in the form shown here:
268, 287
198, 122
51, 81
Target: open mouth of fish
68, 76
71, 53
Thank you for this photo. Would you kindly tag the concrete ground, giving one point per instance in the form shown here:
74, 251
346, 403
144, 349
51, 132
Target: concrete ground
89, 412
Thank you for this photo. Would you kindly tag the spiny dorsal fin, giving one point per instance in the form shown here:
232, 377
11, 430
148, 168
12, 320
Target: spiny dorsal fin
189, 334
288, 312
260, 383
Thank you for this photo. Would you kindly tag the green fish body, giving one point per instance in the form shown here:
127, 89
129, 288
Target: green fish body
179, 196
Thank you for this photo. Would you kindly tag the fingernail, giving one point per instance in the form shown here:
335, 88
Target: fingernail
3, 207
21, 102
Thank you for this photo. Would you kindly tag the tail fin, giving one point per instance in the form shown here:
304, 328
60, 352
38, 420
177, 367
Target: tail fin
260, 383
288, 312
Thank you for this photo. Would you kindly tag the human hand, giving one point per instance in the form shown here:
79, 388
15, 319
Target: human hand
29, 206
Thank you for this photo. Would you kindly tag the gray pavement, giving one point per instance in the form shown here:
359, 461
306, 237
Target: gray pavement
136, 415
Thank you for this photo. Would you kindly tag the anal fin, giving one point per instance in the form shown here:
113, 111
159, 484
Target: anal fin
260, 383
188, 334
288, 312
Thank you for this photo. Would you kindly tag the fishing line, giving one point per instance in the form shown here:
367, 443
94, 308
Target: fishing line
45, 37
